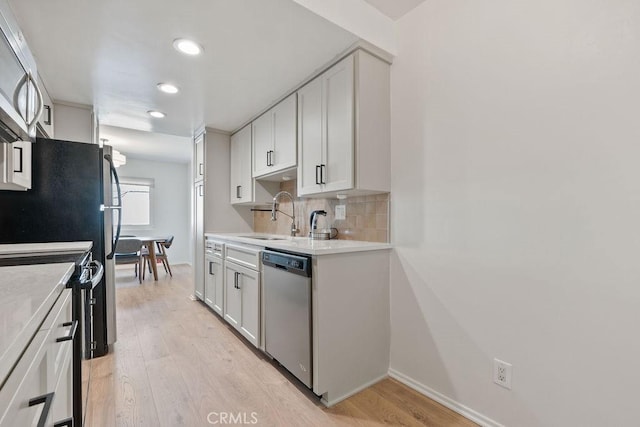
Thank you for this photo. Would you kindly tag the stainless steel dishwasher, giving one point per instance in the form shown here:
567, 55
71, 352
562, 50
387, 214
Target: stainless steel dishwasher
287, 293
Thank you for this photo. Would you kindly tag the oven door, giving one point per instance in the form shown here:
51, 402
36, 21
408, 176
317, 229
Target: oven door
92, 273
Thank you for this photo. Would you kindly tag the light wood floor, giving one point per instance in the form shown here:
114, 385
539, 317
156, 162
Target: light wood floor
176, 363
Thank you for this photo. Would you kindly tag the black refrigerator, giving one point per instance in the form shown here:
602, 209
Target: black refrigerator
72, 199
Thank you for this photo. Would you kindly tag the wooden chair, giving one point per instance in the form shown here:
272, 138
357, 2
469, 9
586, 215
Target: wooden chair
161, 255
129, 251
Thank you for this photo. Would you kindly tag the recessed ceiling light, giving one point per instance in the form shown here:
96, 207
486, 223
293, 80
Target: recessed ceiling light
187, 46
167, 88
156, 114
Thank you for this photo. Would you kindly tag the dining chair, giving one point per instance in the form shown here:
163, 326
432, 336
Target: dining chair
161, 255
129, 251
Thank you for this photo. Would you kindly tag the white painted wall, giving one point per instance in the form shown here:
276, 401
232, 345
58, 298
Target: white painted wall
220, 215
358, 17
73, 122
171, 203
516, 207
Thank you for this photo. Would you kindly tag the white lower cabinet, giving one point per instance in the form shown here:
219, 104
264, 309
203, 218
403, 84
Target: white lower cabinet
242, 300
214, 285
39, 390
15, 165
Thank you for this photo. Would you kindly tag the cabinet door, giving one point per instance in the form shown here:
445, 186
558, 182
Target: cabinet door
262, 128
40, 385
45, 122
338, 98
235, 169
214, 287
310, 137
249, 283
28, 380
285, 145
15, 165
62, 408
198, 167
232, 296
209, 282
199, 240
241, 176
218, 300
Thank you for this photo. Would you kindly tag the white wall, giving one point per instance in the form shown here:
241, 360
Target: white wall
516, 207
171, 203
220, 215
73, 122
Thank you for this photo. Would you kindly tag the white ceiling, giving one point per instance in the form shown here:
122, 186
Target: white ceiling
394, 9
148, 145
112, 53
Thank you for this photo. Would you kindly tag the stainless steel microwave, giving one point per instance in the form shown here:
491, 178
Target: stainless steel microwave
20, 98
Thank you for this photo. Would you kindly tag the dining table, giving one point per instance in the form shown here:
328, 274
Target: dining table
150, 242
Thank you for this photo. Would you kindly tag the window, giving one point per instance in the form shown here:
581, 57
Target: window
136, 201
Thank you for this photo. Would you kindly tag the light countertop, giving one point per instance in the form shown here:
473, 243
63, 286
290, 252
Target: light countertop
22, 249
27, 293
301, 244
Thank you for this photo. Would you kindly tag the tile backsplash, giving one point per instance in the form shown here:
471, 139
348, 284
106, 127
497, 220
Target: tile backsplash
367, 217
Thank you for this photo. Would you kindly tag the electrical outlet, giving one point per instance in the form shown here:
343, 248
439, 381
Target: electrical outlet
502, 373
341, 211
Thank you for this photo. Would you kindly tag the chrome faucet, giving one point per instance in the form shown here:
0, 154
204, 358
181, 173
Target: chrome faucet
274, 210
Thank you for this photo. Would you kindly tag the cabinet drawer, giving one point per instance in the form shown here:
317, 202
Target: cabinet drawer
61, 329
27, 381
39, 371
244, 255
214, 248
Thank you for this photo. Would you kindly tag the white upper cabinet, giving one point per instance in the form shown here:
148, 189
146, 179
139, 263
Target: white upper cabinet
244, 189
344, 129
198, 166
326, 131
15, 165
241, 166
45, 122
275, 139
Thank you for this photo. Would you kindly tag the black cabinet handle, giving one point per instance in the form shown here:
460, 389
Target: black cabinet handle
19, 155
64, 423
236, 280
238, 191
211, 268
317, 179
46, 399
48, 119
201, 169
270, 158
72, 331
322, 174
268, 162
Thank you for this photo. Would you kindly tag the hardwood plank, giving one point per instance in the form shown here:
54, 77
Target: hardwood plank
427, 411
134, 400
176, 363
174, 403
101, 399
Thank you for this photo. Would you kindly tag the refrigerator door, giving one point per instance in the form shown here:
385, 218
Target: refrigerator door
64, 205
112, 209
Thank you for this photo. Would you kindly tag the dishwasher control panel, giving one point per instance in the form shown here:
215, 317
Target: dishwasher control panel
296, 264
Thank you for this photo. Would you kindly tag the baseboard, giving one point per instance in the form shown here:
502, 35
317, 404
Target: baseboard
444, 400
329, 403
